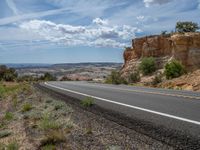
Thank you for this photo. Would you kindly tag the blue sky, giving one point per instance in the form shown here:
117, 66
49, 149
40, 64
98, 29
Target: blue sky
64, 31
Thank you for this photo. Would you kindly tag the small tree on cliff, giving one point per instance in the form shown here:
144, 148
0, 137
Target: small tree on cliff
186, 27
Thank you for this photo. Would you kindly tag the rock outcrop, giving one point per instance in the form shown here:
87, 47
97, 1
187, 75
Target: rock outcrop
183, 47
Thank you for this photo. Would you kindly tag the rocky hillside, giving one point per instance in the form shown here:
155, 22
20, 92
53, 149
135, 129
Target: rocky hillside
183, 47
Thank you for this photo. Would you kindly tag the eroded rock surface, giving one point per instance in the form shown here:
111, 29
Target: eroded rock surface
183, 47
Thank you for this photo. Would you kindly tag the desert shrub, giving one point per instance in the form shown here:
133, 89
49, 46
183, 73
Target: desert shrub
115, 78
148, 65
13, 146
8, 116
27, 78
58, 106
87, 102
186, 27
69, 124
26, 107
4, 133
48, 77
47, 122
174, 69
53, 137
7, 74
134, 77
2, 125
49, 147
48, 101
157, 79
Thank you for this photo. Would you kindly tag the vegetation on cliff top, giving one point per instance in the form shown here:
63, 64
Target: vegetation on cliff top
186, 26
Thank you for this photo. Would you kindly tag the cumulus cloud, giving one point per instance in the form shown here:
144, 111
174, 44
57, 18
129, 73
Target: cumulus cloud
100, 21
99, 33
150, 2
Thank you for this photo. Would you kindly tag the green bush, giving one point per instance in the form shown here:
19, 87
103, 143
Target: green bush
13, 146
7, 74
58, 106
87, 102
115, 78
8, 116
174, 69
186, 27
148, 65
47, 122
49, 147
48, 77
26, 107
54, 136
134, 77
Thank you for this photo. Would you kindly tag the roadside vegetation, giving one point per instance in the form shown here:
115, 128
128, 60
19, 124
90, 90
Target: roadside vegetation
147, 68
87, 102
115, 78
30, 119
7, 74
10, 75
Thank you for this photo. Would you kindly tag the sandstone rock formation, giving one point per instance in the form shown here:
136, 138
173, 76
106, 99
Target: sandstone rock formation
183, 47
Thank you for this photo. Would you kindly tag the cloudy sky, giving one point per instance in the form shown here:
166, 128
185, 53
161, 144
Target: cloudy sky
58, 31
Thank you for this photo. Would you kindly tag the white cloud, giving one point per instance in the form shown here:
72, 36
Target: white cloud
98, 34
140, 18
150, 2
100, 21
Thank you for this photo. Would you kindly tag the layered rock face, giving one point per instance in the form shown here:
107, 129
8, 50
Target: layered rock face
183, 47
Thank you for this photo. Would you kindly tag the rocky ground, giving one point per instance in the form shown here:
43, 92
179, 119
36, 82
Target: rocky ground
30, 119
190, 81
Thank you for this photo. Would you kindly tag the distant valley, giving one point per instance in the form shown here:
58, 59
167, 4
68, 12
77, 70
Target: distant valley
70, 71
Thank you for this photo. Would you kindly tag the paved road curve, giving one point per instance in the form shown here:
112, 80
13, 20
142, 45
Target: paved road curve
177, 110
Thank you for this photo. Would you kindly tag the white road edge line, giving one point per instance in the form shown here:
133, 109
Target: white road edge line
149, 92
126, 105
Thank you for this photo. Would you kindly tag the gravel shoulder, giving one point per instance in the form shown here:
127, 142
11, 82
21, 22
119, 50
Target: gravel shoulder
33, 119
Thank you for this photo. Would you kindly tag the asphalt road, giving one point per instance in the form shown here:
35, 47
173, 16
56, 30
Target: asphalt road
173, 109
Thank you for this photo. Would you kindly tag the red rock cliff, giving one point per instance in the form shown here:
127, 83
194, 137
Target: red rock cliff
183, 47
